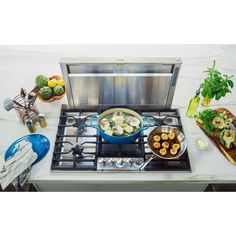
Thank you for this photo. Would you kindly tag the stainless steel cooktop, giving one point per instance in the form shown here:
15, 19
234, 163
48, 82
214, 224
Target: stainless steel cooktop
78, 147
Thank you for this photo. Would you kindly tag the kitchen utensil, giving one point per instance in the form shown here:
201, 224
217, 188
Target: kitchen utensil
120, 139
25, 108
40, 145
165, 129
230, 154
147, 162
8, 104
23, 95
32, 95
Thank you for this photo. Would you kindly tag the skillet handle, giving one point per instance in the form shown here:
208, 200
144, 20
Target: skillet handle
146, 162
144, 118
91, 122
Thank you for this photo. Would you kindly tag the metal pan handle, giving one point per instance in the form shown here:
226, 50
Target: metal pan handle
91, 122
144, 118
147, 162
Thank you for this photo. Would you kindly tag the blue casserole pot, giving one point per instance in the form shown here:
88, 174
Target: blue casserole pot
120, 139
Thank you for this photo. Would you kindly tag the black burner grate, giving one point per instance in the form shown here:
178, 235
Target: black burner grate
106, 149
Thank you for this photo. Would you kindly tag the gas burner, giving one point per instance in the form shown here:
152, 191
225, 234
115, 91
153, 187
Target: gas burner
81, 130
165, 120
80, 124
77, 151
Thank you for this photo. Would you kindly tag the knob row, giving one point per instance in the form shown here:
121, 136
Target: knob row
120, 162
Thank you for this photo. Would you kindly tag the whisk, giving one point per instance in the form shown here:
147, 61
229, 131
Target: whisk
9, 104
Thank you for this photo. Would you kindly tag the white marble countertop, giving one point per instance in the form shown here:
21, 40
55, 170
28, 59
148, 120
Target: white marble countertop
20, 64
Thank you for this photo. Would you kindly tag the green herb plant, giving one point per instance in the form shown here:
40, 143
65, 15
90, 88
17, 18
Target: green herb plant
216, 85
205, 118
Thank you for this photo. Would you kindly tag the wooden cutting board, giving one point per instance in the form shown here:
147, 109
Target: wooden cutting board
230, 154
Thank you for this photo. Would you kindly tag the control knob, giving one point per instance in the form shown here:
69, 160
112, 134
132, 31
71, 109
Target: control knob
111, 162
129, 162
120, 163
138, 163
102, 162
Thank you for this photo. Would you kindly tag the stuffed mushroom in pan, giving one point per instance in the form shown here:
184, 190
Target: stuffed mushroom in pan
173, 151
166, 144
176, 146
163, 151
164, 136
171, 135
156, 145
157, 138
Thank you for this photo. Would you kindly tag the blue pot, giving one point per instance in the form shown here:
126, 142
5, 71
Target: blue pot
120, 139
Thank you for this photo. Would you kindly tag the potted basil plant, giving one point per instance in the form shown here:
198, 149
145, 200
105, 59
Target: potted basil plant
215, 85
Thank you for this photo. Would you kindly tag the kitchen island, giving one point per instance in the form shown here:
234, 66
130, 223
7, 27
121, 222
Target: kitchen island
208, 166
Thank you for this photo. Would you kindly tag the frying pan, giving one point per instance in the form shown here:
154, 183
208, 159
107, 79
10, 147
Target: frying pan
165, 129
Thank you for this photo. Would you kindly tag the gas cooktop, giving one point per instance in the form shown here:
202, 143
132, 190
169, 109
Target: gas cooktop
78, 147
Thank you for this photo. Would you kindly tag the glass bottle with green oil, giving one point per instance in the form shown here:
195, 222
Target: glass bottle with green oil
42, 120
193, 105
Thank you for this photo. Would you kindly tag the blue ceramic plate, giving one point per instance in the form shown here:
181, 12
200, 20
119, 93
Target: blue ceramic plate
40, 145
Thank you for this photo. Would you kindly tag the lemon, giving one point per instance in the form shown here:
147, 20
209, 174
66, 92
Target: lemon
60, 82
52, 83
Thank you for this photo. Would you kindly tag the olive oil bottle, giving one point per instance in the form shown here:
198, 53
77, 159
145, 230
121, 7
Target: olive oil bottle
42, 120
193, 105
